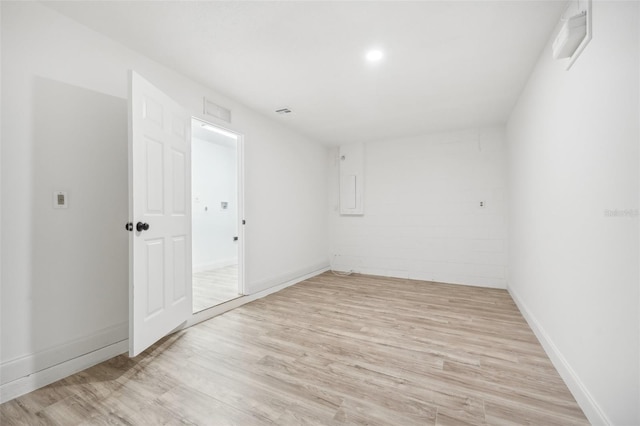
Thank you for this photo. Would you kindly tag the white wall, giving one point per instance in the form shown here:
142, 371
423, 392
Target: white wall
53, 312
422, 218
573, 154
214, 176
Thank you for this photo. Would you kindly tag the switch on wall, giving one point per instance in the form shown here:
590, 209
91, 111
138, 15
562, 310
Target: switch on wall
60, 200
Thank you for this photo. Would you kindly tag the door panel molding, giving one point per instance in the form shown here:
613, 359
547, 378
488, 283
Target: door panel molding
159, 187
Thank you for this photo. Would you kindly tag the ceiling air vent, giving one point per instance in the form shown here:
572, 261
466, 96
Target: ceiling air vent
283, 111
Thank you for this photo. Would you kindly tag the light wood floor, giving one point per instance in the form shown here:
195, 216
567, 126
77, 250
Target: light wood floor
330, 350
211, 288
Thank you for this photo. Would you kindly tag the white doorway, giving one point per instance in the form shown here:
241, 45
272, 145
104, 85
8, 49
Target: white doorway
216, 191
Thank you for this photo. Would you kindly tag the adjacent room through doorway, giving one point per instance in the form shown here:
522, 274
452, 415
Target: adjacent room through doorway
215, 215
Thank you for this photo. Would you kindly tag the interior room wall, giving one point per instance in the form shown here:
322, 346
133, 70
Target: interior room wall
64, 281
77, 253
573, 141
422, 216
0, 173
214, 175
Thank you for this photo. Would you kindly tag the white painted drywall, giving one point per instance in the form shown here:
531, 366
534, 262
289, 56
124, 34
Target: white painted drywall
573, 155
84, 306
214, 175
1, 119
423, 218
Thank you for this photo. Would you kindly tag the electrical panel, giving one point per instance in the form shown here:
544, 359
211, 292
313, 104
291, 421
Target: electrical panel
351, 158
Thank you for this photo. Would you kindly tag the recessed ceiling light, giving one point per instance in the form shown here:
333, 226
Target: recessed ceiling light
374, 55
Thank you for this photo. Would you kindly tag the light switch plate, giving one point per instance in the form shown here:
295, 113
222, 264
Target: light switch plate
60, 200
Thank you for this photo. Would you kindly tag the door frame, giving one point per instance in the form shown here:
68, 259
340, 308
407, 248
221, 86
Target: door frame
215, 310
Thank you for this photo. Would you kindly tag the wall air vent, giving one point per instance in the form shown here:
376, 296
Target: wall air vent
574, 33
283, 111
216, 111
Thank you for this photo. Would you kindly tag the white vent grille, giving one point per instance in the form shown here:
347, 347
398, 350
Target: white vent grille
214, 110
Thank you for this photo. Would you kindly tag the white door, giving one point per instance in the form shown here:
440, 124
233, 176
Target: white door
160, 212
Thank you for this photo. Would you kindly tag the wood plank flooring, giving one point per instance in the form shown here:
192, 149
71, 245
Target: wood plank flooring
328, 351
213, 287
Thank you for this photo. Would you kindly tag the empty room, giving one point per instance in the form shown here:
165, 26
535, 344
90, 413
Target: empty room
320, 212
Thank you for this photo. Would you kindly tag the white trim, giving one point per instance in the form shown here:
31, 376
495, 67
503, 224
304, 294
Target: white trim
483, 282
235, 303
51, 373
585, 400
54, 373
241, 214
239, 145
638, 5
214, 265
267, 284
24, 366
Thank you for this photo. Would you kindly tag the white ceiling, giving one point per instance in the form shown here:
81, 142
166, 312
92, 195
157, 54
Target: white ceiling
447, 64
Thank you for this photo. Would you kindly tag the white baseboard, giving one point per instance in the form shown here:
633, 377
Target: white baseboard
214, 265
49, 375
257, 287
232, 304
498, 283
20, 367
583, 397
22, 376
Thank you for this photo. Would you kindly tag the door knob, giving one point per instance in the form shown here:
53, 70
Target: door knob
129, 226
142, 226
